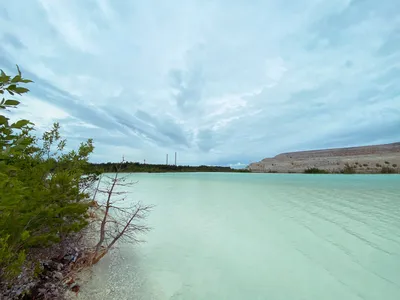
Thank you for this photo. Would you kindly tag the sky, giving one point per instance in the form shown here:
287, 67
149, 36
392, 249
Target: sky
220, 82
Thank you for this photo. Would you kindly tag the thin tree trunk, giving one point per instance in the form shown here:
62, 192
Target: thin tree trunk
97, 188
104, 221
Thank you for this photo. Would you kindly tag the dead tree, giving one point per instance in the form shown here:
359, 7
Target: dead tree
120, 220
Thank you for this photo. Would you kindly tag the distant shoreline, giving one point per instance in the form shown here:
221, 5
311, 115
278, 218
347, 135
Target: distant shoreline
377, 159
129, 167
248, 172
134, 167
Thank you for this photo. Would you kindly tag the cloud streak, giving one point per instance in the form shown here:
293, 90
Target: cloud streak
220, 82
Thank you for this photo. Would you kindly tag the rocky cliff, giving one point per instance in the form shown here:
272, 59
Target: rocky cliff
366, 159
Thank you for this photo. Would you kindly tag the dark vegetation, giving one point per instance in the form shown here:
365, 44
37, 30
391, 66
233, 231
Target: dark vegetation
348, 169
352, 169
388, 170
135, 167
315, 171
41, 186
272, 171
46, 201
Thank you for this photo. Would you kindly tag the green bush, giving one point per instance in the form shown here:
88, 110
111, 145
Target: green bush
315, 171
388, 170
348, 169
41, 185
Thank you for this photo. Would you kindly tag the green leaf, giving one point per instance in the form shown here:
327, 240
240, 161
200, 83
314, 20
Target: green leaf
26, 80
11, 87
17, 78
11, 102
3, 120
20, 124
3, 76
25, 235
11, 168
21, 90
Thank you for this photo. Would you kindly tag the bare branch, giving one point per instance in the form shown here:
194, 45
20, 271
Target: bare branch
119, 222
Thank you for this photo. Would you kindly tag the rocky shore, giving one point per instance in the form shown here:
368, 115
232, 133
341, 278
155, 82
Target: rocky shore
54, 272
362, 160
47, 278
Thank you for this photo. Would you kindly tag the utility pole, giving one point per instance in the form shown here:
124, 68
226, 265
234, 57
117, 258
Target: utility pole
175, 158
167, 160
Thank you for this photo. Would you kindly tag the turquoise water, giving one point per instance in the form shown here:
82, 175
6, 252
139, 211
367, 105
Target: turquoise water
259, 236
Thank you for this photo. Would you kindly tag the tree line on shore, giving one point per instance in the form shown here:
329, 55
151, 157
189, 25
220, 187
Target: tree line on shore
133, 167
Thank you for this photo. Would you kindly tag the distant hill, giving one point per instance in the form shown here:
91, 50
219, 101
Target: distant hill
366, 159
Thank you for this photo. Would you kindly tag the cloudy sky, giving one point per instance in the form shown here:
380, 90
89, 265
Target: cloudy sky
220, 82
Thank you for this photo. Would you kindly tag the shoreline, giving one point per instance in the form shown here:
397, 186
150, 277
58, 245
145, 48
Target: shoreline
54, 272
261, 172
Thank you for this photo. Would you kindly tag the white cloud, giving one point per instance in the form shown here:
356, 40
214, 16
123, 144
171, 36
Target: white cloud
275, 69
41, 113
219, 82
62, 15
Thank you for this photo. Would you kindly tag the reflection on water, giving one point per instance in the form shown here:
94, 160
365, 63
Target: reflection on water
260, 236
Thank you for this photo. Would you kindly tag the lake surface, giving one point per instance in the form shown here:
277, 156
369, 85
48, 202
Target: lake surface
259, 236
